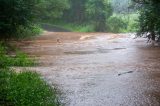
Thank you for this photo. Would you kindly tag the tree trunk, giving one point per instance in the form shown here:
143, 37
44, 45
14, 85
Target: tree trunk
153, 37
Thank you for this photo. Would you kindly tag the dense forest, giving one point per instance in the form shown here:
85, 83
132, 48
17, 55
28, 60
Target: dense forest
18, 16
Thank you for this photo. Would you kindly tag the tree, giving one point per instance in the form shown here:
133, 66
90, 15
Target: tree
51, 9
93, 12
121, 6
149, 17
19, 15
76, 12
15, 13
99, 11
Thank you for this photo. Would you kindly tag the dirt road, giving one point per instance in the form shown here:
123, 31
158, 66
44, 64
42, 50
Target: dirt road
99, 69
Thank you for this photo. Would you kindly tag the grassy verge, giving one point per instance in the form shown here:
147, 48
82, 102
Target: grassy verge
19, 59
74, 27
77, 27
24, 88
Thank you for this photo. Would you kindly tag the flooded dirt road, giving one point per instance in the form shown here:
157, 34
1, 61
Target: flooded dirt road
99, 69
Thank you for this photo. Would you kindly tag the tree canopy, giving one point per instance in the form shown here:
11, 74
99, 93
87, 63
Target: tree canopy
149, 17
89, 11
19, 15
16, 15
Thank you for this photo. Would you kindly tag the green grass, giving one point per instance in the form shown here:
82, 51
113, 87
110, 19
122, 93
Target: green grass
25, 88
20, 58
78, 28
73, 27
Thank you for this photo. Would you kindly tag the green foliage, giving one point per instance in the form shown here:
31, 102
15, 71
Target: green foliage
123, 23
84, 28
94, 8
25, 89
149, 17
116, 24
123, 6
76, 12
76, 27
92, 12
133, 24
99, 11
4, 79
20, 59
15, 13
27, 32
18, 17
51, 9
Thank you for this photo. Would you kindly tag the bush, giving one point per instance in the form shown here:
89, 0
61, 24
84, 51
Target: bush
123, 23
25, 89
116, 24
27, 32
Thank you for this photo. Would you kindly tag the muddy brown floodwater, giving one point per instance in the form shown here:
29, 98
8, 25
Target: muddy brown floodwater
99, 69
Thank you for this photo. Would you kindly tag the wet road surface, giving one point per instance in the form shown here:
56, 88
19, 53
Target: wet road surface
99, 69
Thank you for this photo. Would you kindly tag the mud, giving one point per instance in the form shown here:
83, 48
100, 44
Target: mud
99, 69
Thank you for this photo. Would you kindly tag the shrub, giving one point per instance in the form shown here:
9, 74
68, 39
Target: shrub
123, 23
27, 32
133, 26
116, 24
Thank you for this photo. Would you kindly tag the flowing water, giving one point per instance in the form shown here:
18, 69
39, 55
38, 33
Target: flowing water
99, 69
